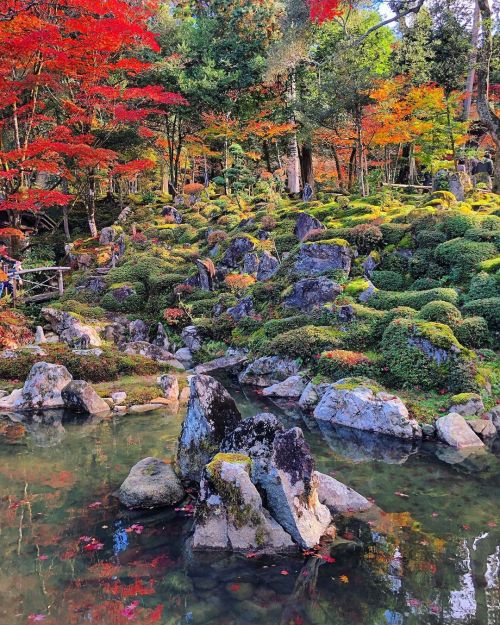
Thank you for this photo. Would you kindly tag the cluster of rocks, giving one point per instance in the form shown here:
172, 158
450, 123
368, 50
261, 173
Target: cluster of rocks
258, 487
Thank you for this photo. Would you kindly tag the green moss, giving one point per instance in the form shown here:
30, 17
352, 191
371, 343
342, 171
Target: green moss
385, 300
490, 266
213, 467
352, 383
357, 286
463, 398
341, 242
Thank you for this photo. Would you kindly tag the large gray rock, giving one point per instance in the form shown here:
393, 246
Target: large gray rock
305, 224
494, 416
268, 266
161, 338
312, 394
171, 214
291, 388
483, 428
211, 415
360, 404
42, 389
453, 430
338, 497
230, 514
471, 405
323, 256
192, 338
291, 487
169, 386
268, 370
71, 330
80, 396
282, 468
233, 363
236, 251
312, 293
151, 483
206, 274
138, 330
251, 263
158, 354
107, 235
244, 308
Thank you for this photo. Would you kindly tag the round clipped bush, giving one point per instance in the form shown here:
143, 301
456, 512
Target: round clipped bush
473, 332
385, 300
392, 233
455, 224
427, 355
388, 280
430, 238
463, 255
488, 308
442, 312
424, 284
483, 286
366, 237
306, 342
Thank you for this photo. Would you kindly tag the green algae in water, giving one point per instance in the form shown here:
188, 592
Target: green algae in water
71, 555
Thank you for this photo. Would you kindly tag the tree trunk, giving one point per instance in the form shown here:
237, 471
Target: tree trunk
338, 166
267, 155
293, 165
306, 165
352, 164
486, 112
90, 203
469, 87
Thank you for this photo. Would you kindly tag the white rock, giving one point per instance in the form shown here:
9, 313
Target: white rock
338, 497
42, 388
312, 394
291, 388
119, 397
453, 430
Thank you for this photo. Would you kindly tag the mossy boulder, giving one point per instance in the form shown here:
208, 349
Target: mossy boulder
323, 256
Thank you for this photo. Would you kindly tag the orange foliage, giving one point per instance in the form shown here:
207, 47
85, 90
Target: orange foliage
239, 281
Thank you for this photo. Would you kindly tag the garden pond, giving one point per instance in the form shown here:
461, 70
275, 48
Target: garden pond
426, 553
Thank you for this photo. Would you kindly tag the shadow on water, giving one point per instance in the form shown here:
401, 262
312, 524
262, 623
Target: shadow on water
426, 553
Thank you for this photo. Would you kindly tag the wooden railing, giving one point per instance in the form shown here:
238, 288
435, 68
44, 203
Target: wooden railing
49, 285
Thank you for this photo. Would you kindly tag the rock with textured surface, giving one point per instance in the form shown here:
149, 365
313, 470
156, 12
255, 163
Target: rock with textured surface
268, 266
483, 428
291, 388
453, 430
230, 515
268, 370
71, 330
138, 330
494, 416
362, 405
158, 354
244, 308
312, 394
151, 483
171, 214
185, 357
169, 386
254, 437
39, 336
119, 397
471, 405
233, 363
192, 338
311, 293
41, 391
323, 256
305, 224
211, 415
161, 338
236, 251
338, 497
291, 489
79, 396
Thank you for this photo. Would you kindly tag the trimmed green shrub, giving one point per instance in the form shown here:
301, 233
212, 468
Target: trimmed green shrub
480, 234
423, 265
473, 332
442, 312
387, 280
427, 355
424, 284
430, 238
393, 262
455, 224
483, 286
387, 317
488, 308
306, 342
392, 233
114, 301
491, 266
385, 300
366, 237
285, 242
463, 255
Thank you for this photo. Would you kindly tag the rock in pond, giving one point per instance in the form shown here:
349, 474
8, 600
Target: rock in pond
42, 389
291, 388
169, 385
312, 394
80, 396
233, 361
483, 428
453, 430
338, 497
151, 483
230, 515
211, 415
362, 404
268, 370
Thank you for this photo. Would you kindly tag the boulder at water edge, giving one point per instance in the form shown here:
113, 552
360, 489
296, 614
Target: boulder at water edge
338, 497
268, 370
79, 396
151, 483
230, 514
361, 404
453, 430
41, 390
211, 415
291, 388
154, 352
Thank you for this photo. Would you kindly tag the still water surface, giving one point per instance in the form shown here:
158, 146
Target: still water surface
427, 554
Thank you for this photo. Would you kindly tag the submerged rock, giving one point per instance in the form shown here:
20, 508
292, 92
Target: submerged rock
80, 396
211, 415
312, 293
363, 405
291, 388
268, 370
338, 497
230, 514
151, 483
453, 430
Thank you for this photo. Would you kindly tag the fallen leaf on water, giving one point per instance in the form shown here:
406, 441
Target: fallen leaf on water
96, 504
129, 610
36, 617
43, 557
251, 554
328, 559
400, 494
283, 572
234, 587
136, 528
344, 579
93, 545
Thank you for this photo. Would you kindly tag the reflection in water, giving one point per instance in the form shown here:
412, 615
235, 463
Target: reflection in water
426, 554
